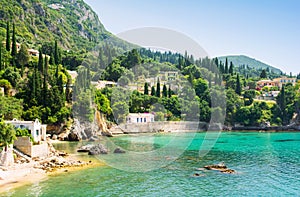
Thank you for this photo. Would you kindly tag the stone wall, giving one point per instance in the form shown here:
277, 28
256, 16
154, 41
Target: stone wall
24, 145
163, 126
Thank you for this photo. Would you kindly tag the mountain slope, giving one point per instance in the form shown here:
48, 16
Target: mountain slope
71, 22
238, 60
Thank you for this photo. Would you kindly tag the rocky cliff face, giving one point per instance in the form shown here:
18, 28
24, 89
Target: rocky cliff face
72, 22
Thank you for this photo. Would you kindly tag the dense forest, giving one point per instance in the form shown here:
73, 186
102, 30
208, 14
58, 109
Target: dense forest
40, 86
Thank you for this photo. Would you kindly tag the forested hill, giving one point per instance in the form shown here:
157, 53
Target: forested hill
240, 60
71, 22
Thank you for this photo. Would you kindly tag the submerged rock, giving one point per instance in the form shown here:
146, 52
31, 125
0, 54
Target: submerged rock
119, 150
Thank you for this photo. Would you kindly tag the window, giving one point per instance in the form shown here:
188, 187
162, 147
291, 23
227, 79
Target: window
141, 119
37, 132
144, 119
137, 119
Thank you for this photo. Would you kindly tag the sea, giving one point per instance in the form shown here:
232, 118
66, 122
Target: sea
171, 164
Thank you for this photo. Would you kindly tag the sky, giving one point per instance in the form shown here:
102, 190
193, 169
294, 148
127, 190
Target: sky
267, 30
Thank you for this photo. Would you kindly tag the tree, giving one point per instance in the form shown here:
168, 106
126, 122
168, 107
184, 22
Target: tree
158, 88
238, 88
56, 55
231, 68
7, 37
10, 108
226, 66
165, 91
14, 43
169, 92
7, 134
153, 92
263, 74
41, 61
146, 91
23, 56
0, 55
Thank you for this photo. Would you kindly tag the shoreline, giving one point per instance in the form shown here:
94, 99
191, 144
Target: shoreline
20, 175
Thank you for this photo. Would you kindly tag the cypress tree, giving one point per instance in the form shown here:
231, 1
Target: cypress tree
56, 55
238, 88
158, 88
165, 91
68, 91
146, 91
231, 68
46, 66
51, 61
170, 92
153, 92
1, 56
226, 66
7, 37
14, 43
41, 61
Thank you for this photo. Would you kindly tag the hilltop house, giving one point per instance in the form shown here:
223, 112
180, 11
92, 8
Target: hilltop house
278, 82
140, 118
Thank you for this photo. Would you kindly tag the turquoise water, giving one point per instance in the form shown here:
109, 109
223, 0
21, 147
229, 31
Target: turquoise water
268, 164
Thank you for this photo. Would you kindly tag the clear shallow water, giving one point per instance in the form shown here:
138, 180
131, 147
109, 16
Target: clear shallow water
268, 164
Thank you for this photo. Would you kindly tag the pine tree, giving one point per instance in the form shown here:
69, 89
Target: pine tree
231, 69
170, 92
7, 37
14, 43
238, 88
158, 88
41, 61
146, 91
165, 91
153, 92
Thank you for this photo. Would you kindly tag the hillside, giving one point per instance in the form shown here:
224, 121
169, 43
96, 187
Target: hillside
239, 60
71, 22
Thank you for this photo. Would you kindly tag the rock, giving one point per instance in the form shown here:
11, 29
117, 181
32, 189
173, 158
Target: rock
98, 149
94, 138
119, 150
228, 171
85, 148
54, 137
198, 175
220, 166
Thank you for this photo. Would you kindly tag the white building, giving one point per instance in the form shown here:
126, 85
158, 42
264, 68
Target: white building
140, 118
36, 129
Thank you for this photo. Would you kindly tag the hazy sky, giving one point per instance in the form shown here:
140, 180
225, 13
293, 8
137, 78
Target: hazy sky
267, 30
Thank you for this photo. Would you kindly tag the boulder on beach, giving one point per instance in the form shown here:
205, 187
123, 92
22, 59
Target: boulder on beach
119, 150
97, 150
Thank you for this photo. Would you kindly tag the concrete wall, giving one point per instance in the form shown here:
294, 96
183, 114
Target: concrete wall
163, 126
24, 145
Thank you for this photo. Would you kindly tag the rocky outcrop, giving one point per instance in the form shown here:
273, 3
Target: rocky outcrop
97, 150
221, 168
85, 149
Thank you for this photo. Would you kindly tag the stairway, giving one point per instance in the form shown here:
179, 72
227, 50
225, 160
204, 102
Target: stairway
20, 154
